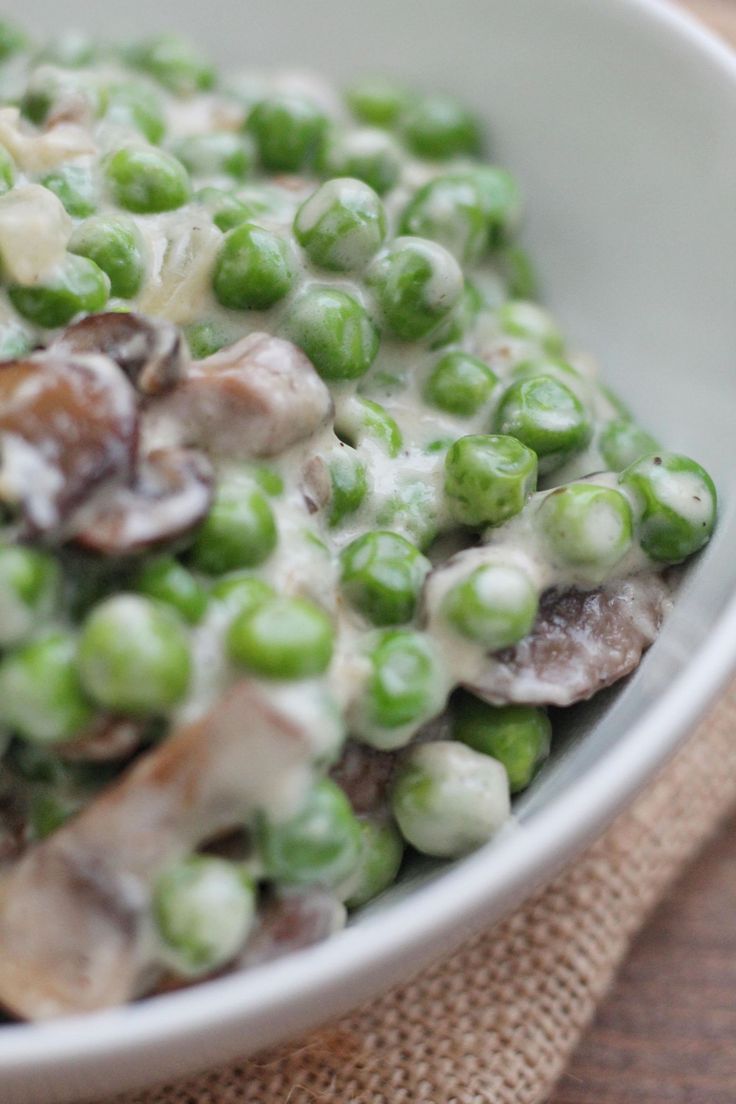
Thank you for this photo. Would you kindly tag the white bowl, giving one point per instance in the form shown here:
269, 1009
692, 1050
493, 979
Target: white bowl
619, 117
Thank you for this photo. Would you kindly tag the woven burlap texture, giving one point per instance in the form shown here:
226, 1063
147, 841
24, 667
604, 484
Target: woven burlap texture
496, 1022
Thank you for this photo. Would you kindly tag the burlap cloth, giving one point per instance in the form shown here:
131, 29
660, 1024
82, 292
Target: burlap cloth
497, 1022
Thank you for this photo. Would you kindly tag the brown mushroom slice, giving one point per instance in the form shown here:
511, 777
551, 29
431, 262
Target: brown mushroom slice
252, 399
106, 739
290, 921
67, 427
582, 642
172, 494
150, 351
365, 774
75, 927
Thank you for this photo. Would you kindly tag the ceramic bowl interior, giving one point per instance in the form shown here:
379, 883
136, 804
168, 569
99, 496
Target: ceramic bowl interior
619, 118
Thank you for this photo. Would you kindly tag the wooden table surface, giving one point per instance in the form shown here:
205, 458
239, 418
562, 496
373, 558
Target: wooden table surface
666, 1034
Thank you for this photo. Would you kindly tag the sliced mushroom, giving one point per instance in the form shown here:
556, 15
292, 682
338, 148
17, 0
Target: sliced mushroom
151, 352
582, 642
75, 930
171, 494
316, 484
290, 921
67, 426
365, 774
105, 740
252, 399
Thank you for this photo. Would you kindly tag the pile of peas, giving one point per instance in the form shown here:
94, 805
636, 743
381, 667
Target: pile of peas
373, 232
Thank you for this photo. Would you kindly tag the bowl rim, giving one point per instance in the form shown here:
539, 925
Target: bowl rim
446, 910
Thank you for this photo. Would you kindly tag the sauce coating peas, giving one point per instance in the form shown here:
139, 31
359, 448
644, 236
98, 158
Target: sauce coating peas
254, 269
500, 200
146, 180
7, 171
448, 799
76, 285
622, 442
586, 526
546, 416
368, 154
334, 330
288, 132
225, 209
377, 101
115, 245
41, 696
438, 127
460, 384
418, 284
137, 107
134, 655
449, 210
348, 482
75, 188
518, 736
168, 581
362, 419
404, 689
530, 321
488, 478
676, 505
381, 575
341, 225
174, 63
29, 592
242, 592
220, 152
318, 846
204, 908
282, 638
495, 605
239, 531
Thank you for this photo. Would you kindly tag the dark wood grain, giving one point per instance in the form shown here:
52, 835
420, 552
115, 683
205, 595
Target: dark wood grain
666, 1034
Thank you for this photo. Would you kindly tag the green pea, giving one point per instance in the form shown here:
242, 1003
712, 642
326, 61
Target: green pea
459, 324
448, 799
437, 127
41, 696
349, 484
239, 531
137, 107
413, 510
334, 330
268, 480
368, 154
288, 131
282, 638
226, 210
168, 581
529, 321
495, 605
586, 526
547, 416
488, 479
47, 813
320, 845
381, 852
341, 225
218, 153
377, 101
382, 574
404, 689
253, 270
518, 736
77, 285
49, 87
519, 273
622, 442
459, 384
417, 283
241, 592
174, 63
145, 180
675, 505
449, 210
205, 338
115, 244
7, 171
204, 908
29, 592
500, 200
12, 40
15, 343
362, 419
134, 655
